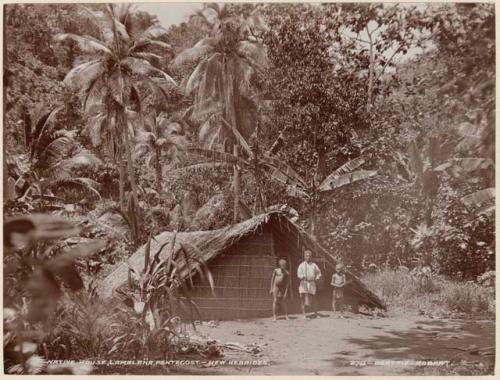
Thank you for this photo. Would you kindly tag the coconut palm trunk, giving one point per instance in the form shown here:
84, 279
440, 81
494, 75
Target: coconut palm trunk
237, 186
159, 175
230, 115
122, 171
371, 75
130, 172
128, 152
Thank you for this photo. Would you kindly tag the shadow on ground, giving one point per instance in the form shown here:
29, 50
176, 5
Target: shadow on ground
453, 341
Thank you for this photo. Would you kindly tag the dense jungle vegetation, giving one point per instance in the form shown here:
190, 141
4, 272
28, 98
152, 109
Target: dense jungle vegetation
371, 125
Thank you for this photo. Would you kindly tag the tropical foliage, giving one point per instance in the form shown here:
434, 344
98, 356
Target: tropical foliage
372, 125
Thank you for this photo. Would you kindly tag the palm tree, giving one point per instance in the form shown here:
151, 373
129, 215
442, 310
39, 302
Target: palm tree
119, 63
50, 160
228, 65
160, 140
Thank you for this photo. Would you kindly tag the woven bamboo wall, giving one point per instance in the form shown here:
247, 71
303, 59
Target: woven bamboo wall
242, 277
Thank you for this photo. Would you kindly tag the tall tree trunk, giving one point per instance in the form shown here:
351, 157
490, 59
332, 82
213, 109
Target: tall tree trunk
130, 163
122, 171
131, 174
236, 187
4, 92
371, 74
230, 116
159, 175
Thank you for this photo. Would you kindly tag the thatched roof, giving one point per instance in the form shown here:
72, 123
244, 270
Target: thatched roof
213, 243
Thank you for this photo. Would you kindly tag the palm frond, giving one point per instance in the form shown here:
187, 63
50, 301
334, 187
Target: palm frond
209, 132
209, 79
122, 11
142, 44
153, 32
95, 93
215, 7
41, 127
204, 110
87, 44
199, 50
84, 75
255, 53
85, 184
152, 58
56, 149
116, 25
159, 87
103, 22
94, 128
114, 208
143, 67
200, 19
255, 25
244, 73
195, 78
82, 159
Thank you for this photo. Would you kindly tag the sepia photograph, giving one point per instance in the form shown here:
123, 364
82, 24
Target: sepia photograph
245, 188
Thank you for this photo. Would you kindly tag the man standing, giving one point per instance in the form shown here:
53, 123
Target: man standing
308, 273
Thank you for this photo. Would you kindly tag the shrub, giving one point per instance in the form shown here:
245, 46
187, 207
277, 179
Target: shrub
468, 298
430, 293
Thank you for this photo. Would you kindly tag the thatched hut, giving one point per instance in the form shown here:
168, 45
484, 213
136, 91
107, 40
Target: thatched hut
241, 259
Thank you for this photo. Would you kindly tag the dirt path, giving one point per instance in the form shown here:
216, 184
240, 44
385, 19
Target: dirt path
356, 345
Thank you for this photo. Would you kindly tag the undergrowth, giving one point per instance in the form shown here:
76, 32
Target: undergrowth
431, 294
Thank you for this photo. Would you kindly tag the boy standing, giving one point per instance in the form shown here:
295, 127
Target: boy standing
338, 283
279, 287
308, 273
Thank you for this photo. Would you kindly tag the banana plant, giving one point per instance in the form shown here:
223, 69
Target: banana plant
251, 160
278, 171
315, 194
447, 155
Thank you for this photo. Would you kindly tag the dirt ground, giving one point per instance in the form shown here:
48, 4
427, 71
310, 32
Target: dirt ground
355, 345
